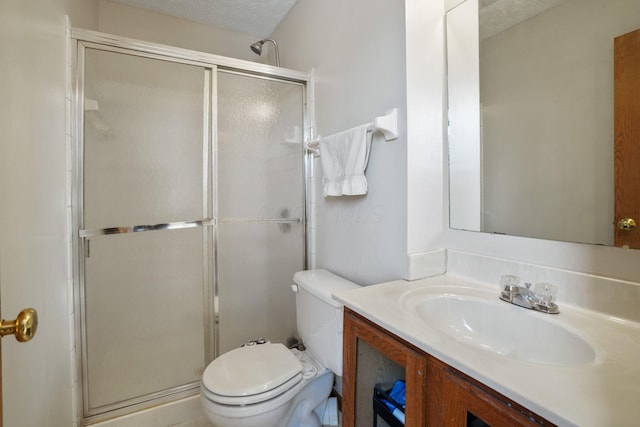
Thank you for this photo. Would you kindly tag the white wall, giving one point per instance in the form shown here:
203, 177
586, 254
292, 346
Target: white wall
356, 50
426, 154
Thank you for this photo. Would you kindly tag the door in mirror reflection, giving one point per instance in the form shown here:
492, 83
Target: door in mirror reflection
627, 139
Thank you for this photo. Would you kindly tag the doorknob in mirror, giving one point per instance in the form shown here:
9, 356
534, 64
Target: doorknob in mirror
627, 224
24, 327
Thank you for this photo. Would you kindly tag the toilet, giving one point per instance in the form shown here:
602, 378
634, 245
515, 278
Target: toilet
269, 385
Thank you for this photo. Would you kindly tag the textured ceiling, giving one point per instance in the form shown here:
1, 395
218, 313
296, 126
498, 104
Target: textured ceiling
498, 15
255, 17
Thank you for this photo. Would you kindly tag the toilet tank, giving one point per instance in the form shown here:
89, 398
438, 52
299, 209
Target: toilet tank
319, 317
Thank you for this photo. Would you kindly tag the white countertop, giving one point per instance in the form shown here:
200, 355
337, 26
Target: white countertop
603, 392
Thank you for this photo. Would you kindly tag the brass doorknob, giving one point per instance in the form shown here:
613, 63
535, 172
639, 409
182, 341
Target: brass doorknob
24, 327
627, 224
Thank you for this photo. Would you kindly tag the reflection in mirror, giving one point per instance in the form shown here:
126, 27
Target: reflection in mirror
531, 116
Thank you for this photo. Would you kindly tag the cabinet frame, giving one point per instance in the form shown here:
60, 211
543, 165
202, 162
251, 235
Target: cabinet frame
415, 365
437, 394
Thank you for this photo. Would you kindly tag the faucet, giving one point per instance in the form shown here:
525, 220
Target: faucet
525, 297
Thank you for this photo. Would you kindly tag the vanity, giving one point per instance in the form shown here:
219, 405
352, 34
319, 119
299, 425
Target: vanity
470, 359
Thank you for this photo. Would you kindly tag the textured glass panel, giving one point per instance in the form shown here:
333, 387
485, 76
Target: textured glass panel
256, 267
140, 116
144, 313
260, 167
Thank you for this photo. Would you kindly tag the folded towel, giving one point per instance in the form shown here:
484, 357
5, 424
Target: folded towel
344, 158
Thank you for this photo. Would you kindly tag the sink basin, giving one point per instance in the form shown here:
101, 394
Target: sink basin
503, 329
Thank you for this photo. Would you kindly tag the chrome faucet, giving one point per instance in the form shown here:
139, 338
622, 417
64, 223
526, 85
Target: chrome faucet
525, 297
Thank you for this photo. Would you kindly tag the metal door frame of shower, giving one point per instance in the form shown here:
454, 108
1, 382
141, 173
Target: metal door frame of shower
212, 64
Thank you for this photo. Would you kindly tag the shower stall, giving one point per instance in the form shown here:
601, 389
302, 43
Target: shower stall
189, 215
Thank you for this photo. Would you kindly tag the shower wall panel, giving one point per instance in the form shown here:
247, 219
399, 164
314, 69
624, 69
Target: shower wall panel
256, 264
260, 206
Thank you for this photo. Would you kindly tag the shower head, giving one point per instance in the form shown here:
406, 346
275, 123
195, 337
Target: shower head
257, 48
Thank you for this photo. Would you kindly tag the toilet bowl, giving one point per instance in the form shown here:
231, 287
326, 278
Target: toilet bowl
269, 385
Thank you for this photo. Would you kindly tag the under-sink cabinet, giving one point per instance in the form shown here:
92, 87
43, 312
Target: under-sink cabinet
437, 394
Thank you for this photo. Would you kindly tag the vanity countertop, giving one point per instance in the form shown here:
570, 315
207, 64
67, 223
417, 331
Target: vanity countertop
601, 392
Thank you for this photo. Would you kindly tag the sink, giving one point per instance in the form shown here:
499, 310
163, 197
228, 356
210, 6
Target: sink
501, 328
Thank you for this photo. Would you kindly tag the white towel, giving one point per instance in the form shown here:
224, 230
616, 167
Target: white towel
344, 157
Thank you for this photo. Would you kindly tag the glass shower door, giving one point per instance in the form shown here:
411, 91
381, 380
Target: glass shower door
146, 233
191, 218
261, 206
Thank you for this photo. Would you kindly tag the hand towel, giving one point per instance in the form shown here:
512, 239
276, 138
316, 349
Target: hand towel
344, 158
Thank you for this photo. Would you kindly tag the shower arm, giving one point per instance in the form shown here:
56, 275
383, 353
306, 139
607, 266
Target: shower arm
257, 48
275, 45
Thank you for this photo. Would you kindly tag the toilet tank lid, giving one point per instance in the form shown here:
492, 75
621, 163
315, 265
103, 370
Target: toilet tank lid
323, 284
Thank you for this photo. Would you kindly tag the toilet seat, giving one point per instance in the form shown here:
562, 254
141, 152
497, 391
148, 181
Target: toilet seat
254, 398
252, 374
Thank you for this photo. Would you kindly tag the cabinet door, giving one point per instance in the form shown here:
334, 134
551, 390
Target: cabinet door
467, 403
414, 363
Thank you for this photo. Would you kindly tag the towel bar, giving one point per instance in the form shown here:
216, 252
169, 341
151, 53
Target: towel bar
387, 124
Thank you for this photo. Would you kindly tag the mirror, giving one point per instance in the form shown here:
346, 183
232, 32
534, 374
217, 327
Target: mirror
531, 116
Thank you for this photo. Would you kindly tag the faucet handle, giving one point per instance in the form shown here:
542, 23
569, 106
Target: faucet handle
509, 281
546, 296
528, 285
509, 284
546, 292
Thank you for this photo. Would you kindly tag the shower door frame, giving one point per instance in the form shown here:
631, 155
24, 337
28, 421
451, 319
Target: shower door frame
212, 64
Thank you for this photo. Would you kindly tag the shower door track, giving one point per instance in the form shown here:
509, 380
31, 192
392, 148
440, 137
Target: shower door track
83, 39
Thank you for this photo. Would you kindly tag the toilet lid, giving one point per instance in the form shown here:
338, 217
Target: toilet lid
251, 370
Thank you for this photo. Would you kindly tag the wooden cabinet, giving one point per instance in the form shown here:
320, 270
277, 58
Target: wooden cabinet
413, 362
437, 394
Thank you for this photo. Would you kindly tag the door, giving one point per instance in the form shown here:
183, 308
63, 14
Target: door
24, 329
144, 225
627, 138
34, 244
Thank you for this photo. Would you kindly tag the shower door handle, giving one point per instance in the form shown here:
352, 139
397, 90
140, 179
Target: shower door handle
23, 327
